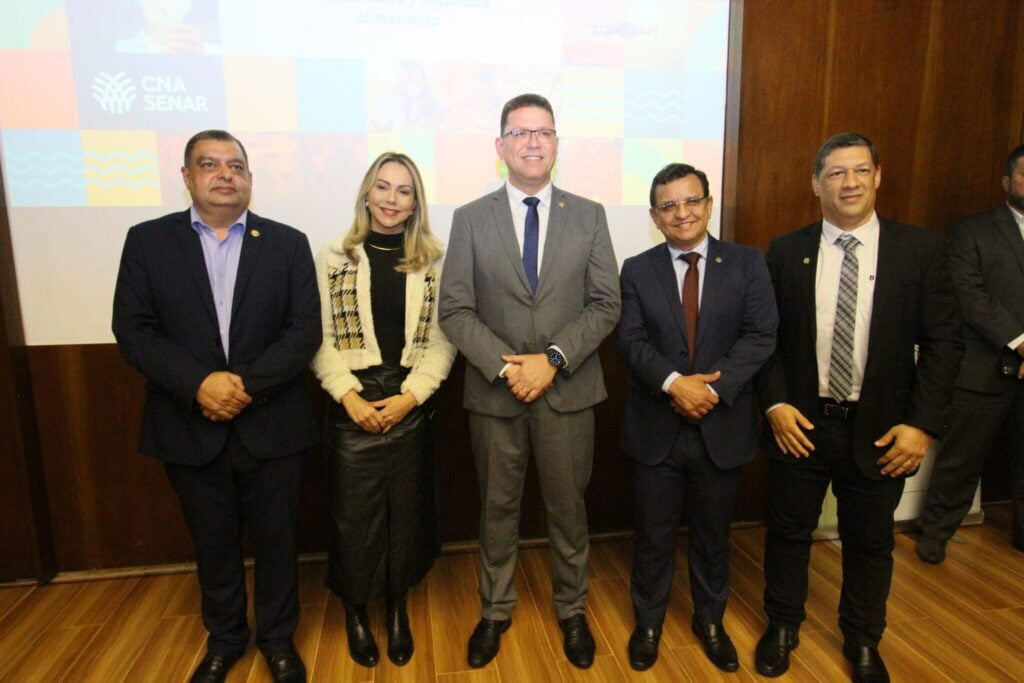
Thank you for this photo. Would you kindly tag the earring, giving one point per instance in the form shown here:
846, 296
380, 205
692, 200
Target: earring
366, 203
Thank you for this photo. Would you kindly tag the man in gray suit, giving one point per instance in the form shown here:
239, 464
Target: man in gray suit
987, 264
530, 288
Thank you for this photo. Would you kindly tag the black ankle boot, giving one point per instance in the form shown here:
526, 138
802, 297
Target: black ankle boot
396, 621
361, 644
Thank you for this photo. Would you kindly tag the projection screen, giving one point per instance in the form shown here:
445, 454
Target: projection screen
97, 99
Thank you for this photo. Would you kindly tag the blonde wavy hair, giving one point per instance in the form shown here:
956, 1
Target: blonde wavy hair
420, 246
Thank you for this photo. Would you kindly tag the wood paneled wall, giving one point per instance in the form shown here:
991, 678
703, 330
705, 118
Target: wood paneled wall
26, 548
938, 86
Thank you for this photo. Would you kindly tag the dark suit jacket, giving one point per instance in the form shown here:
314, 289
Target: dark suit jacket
487, 309
166, 326
914, 307
735, 334
987, 261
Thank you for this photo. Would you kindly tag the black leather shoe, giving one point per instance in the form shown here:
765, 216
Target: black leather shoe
214, 668
485, 641
396, 621
1018, 543
287, 667
579, 644
868, 666
931, 550
361, 645
771, 658
717, 644
643, 648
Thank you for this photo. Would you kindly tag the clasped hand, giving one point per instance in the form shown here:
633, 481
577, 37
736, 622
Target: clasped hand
378, 417
529, 376
691, 396
222, 396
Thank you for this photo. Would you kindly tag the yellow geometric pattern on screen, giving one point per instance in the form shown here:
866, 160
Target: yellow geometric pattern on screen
121, 168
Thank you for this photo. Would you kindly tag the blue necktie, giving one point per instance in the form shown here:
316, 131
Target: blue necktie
531, 236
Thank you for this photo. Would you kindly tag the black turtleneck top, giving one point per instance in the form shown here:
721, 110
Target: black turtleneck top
387, 293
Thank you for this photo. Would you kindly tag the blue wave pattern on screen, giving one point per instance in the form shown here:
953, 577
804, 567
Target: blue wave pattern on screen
45, 168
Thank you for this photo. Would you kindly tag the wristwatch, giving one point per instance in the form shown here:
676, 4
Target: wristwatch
556, 358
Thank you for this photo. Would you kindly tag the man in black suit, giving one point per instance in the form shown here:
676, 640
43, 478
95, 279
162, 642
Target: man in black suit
987, 262
698, 322
860, 300
219, 309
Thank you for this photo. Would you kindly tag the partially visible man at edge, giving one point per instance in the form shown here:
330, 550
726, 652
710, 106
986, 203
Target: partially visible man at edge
987, 262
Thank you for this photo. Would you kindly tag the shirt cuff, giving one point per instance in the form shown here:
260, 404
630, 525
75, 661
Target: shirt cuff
501, 375
668, 380
1016, 342
773, 407
556, 348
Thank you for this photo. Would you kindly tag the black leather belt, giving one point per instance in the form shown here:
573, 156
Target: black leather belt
841, 411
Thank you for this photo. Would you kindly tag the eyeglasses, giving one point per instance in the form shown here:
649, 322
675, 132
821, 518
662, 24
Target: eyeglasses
543, 134
689, 203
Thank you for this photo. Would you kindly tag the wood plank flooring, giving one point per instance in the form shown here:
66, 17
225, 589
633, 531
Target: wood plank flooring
959, 621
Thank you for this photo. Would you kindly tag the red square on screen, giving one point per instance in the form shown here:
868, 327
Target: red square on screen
37, 89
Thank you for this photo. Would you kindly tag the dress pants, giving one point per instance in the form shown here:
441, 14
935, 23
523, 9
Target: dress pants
563, 451
796, 489
233, 491
687, 480
976, 423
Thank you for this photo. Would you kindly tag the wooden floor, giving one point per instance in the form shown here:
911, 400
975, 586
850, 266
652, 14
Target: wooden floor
960, 621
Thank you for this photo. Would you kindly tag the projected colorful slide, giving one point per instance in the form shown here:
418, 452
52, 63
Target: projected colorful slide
97, 98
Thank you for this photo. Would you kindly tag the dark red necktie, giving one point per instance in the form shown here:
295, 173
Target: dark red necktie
691, 302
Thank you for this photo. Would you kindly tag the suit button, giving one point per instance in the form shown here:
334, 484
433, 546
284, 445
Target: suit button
216, 342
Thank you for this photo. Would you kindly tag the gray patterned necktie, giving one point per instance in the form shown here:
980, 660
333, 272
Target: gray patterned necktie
840, 370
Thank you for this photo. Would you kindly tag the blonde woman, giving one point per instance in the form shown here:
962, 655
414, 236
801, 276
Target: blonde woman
383, 355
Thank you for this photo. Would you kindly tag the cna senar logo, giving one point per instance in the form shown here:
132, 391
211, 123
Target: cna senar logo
116, 94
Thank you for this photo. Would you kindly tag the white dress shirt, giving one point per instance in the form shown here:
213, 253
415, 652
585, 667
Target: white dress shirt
1017, 216
515, 201
826, 293
680, 266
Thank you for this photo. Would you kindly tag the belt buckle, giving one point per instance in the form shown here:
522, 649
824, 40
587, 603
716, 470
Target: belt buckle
835, 410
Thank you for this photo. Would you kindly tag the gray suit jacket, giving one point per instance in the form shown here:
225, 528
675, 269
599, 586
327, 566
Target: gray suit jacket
987, 263
487, 309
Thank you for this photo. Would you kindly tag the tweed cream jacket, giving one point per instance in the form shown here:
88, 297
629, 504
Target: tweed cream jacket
349, 341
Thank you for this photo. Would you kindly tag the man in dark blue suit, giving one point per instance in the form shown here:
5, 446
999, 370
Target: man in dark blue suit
219, 309
698, 321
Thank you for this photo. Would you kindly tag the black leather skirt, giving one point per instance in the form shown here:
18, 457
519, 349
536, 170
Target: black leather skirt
382, 497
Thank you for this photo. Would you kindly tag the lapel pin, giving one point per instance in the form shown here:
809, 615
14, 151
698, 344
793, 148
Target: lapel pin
718, 259
254, 232
807, 260
561, 205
